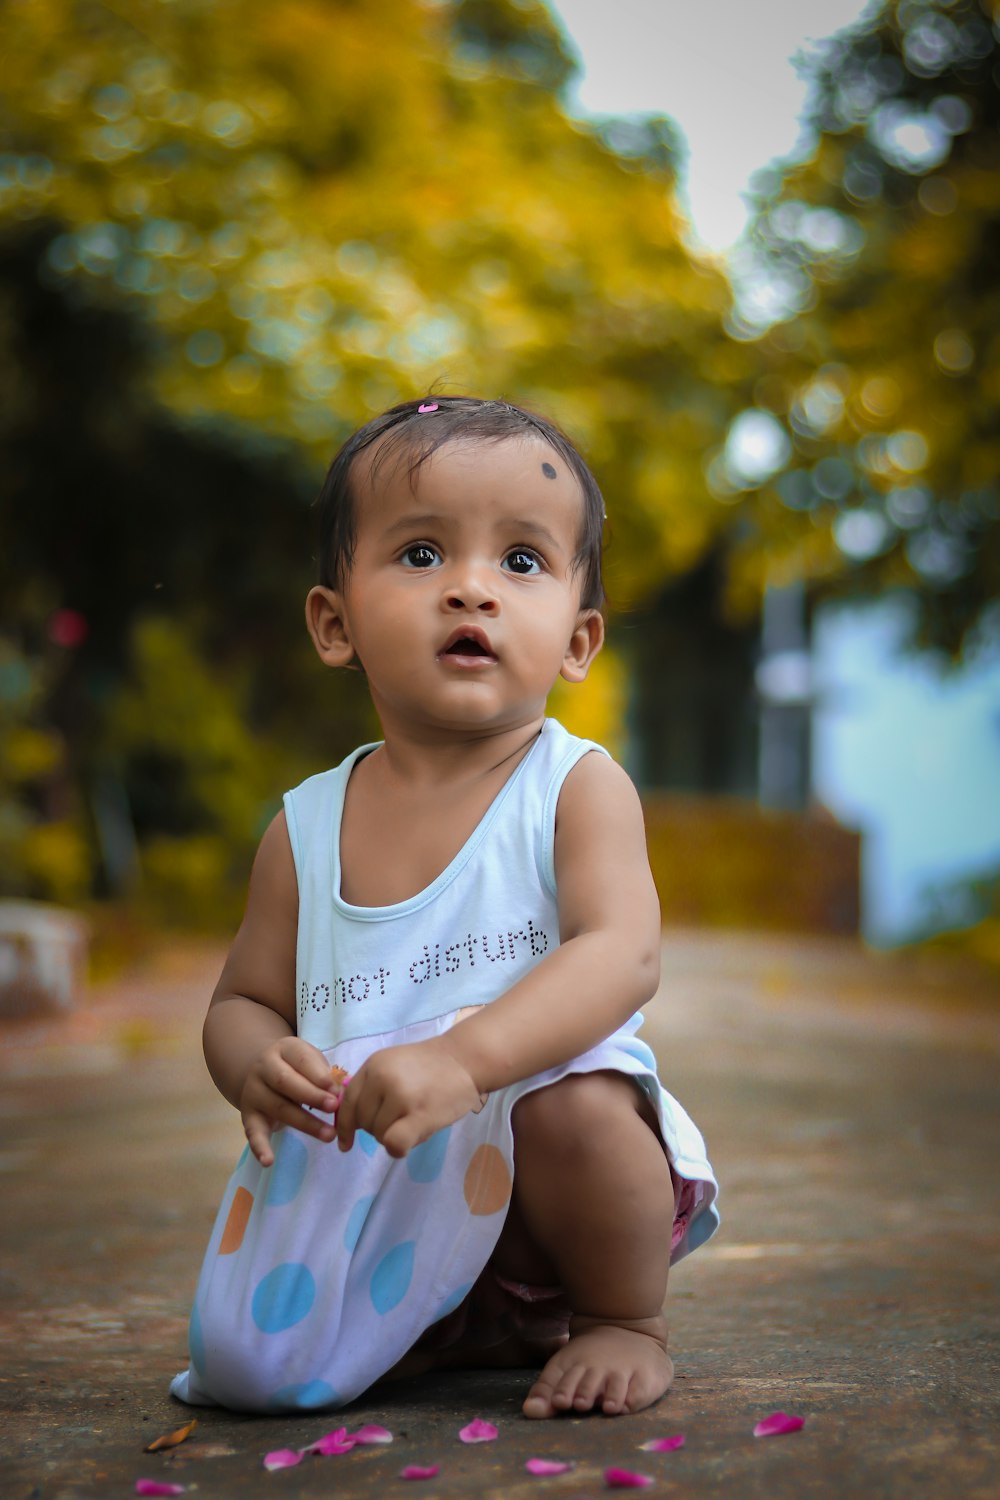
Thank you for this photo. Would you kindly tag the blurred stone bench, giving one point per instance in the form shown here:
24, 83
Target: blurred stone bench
43, 959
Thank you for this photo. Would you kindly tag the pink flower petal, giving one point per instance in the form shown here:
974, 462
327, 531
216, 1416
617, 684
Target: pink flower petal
625, 1479
157, 1487
371, 1434
478, 1431
332, 1442
546, 1466
663, 1445
777, 1423
414, 1471
282, 1458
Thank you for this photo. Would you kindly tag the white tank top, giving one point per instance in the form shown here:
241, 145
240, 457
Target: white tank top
464, 940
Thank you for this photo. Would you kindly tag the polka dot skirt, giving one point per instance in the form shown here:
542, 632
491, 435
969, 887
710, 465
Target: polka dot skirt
324, 1269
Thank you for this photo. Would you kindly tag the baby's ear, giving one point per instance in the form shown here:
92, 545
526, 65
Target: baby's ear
327, 624
584, 644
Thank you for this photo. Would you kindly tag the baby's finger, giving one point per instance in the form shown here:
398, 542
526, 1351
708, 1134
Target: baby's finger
345, 1123
258, 1134
348, 1123
305, 1121
313, 1066
401, 1136
276, 1109
286, 1082
395, 1126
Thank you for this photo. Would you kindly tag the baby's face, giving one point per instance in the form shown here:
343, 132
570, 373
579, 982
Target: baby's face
462, 602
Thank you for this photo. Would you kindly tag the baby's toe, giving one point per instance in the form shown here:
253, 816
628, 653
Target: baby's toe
616, 1393
647, 1386
538, 1402
587, 1387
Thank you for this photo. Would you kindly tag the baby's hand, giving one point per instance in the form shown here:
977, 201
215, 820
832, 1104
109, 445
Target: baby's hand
402, 1095
288, 1080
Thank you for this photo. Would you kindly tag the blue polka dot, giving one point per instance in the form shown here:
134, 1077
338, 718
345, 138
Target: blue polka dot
425, 1161
391, 1278
305, 1397
456, 1299
368, 1143
356, 1222
283, 1297
286, 1175
196, 1341
642, 1054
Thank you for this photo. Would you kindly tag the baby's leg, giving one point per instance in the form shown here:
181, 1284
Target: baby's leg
595, 1197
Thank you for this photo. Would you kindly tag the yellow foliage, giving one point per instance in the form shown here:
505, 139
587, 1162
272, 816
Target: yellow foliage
595, 709
175, 706
670, 497
55, 859
980, 942
27, 753
983, 941
188, 881
323, 208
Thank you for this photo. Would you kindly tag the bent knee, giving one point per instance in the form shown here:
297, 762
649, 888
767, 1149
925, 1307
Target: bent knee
568, 1111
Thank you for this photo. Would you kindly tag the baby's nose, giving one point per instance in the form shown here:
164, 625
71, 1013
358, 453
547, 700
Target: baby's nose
471, 592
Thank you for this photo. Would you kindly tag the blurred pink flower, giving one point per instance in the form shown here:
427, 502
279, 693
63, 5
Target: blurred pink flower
332, 1442
69, 628
777, 1423
546, 1466
478, 1431
663, 1445
625, 1479
282, 1458
371, 1433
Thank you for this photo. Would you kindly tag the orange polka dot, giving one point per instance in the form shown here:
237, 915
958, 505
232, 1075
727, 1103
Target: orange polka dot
487, 1181
239, 1213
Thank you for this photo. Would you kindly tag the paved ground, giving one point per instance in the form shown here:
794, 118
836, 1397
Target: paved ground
851, 1106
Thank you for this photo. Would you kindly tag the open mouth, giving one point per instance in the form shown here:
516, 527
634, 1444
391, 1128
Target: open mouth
466, 646
470, 647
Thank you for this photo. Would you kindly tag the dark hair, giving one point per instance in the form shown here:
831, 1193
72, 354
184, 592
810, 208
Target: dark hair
443, 420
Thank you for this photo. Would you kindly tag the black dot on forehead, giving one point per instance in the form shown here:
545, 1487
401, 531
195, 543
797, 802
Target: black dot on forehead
548, 471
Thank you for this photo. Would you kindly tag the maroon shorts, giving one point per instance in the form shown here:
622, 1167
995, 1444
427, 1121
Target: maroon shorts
498, 1309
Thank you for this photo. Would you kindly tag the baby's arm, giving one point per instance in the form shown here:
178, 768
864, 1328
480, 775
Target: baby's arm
606, 966
253, 1054
608, 961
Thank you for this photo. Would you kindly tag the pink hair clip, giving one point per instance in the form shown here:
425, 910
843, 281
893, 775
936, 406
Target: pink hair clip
428, 406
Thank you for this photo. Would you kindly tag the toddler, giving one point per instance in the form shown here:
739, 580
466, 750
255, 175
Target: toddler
458, 1150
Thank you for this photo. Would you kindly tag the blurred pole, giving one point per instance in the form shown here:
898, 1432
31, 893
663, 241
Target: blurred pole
785, 692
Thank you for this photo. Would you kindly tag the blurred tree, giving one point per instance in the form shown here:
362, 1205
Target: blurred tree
229, 232
873, 443
319, 213
114, 515
43, 848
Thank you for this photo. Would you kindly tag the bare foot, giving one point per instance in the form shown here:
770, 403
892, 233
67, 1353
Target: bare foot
609, 1367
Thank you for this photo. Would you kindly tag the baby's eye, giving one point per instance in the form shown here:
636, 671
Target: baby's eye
420, 555
521, 561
